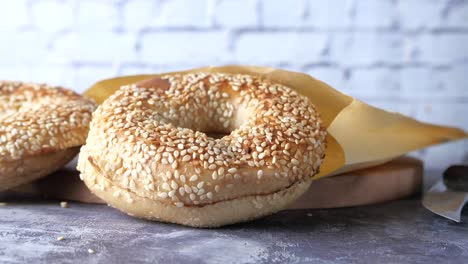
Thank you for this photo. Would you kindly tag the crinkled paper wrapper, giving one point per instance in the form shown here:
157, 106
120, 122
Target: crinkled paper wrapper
359, 135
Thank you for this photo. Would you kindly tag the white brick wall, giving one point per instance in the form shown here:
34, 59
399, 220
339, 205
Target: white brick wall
46, 21
179, 47
409, 56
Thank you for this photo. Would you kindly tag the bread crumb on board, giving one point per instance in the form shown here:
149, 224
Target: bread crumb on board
60, 238
3, 204
90, 251
64, 204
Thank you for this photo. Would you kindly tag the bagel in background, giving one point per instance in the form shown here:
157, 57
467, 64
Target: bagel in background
41, 129
149, 152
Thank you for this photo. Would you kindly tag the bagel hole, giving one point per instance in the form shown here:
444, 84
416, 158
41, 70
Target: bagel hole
217, 130
211, 124
216, 135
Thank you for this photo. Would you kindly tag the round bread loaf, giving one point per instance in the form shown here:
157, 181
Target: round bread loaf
152, 153
41, 128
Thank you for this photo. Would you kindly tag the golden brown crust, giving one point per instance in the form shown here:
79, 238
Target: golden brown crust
151, 140
217, 214
22, 171
38, 121
154, 83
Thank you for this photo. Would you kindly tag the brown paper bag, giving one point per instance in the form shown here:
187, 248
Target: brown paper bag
359, 135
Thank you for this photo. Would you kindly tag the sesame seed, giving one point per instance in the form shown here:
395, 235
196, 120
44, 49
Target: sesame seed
259, 173
60, 238
273, 160
174, 185
171, 193
181, 191
166, 186
64, 204
170, 159
193, 178
90, 251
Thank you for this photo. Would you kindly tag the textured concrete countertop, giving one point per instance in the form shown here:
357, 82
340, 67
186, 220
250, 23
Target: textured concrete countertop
396, 232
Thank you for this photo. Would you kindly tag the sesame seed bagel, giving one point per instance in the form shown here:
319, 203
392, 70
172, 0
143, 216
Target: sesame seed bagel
41, 128
151, 150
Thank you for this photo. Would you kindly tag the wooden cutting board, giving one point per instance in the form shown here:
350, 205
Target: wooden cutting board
396, 179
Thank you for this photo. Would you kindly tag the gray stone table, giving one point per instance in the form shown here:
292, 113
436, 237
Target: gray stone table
396, 232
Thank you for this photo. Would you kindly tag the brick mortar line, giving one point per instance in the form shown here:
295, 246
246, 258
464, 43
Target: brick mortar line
285, 65
250, 30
